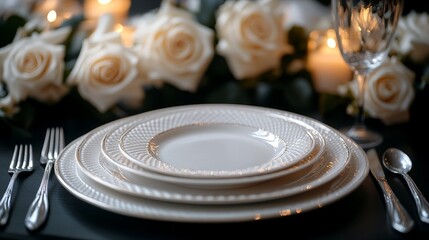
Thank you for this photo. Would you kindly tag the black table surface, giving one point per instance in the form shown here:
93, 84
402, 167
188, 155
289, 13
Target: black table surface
359, 215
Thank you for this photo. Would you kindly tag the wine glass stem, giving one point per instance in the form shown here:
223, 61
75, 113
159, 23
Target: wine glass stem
361, 80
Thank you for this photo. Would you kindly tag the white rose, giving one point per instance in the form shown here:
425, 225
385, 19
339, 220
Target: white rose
413, 36
33, 68
20, 7
251, 36
309, 14
106, 71
389, 93
174, 47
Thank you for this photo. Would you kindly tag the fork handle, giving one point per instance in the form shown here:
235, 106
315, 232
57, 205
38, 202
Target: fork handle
5, 201
38, 210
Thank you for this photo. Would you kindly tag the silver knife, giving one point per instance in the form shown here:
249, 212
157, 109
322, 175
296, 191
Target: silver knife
399, 217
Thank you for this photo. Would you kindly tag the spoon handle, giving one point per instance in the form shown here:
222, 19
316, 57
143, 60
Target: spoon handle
421, 202
399, 217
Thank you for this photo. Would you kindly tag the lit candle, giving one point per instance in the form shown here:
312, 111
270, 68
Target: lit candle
51, 17
54, 12
325, 63
93, 9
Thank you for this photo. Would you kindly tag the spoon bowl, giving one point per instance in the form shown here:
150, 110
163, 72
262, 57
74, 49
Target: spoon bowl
397, 161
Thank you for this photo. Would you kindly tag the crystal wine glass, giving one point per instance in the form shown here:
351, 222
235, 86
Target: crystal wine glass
364, 30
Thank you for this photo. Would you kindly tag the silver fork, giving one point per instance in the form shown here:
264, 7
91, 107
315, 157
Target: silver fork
52, 146
22, 161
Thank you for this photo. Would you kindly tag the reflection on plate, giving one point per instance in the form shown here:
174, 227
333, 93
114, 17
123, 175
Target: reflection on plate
332, 162
215, 142
114, 160
106, 198
216, 147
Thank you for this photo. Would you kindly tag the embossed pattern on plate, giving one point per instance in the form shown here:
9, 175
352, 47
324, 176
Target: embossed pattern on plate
115, 161
108, 199
217, 143
331, 164
333, 161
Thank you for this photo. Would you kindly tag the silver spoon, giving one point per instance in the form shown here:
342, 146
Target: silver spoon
398, 162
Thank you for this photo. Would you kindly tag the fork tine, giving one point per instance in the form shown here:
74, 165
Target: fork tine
51, 143
19, 162
44, 152
30, 164
12, 162
61, 139
57, 142
24, 162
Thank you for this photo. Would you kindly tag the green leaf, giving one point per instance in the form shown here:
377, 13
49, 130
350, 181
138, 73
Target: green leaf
329, 103
21, 121
8, 28
299, 94
298, 38
72, 51
424, 79
230, 92
207, 13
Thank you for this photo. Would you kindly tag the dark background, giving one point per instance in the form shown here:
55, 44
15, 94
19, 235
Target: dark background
418, 6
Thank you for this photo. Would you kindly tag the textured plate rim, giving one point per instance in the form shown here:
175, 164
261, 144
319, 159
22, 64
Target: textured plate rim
153, 164
135, 171
315, 183
279, 208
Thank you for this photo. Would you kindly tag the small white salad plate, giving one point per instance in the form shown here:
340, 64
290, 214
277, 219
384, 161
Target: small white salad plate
215, 142
113, 159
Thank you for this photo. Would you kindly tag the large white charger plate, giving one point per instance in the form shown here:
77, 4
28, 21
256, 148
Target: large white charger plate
114, 201
205, 141
333, 161
114, 160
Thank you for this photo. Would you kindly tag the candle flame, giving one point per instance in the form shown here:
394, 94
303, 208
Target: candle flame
331, 43
52, 16
104, 2
118, 28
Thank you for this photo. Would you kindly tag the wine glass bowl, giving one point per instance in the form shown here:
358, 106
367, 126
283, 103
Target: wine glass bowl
364, 31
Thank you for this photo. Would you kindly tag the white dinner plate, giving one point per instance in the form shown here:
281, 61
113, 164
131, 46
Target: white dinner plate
215, 141
332, 162
115, 161
114, 201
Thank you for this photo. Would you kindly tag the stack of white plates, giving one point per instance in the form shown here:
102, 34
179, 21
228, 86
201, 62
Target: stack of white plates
212, 163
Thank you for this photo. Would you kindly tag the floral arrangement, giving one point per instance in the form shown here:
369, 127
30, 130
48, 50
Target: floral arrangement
392, 86
250, 52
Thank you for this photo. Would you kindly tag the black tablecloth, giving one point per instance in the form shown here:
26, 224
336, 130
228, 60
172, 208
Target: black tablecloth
359, 215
